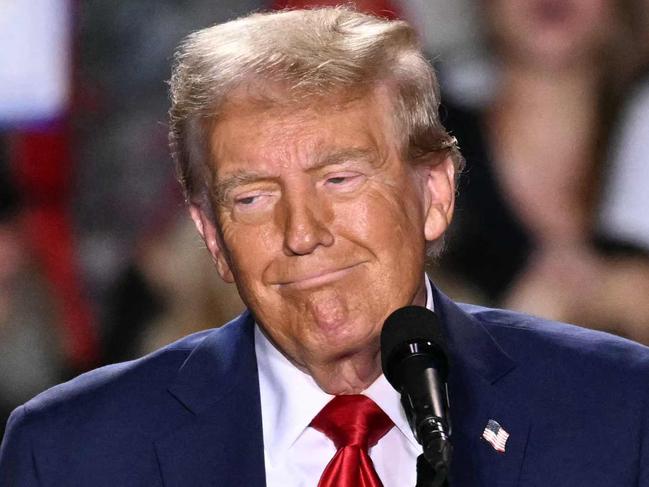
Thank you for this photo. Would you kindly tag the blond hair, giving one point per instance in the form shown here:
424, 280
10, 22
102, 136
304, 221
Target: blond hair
310, 54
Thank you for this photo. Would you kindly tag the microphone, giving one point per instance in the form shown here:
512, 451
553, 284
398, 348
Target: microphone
413, 356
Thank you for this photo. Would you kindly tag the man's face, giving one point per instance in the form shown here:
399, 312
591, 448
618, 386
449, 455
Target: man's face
322, 226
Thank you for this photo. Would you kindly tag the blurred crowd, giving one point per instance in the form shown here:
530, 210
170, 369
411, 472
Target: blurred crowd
549, 100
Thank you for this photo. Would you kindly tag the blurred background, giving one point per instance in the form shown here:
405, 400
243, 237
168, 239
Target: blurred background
549, 100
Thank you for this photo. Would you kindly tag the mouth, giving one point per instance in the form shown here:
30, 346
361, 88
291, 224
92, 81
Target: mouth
317, 279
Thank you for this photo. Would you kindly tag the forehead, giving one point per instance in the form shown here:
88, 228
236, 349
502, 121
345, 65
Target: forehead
255, 132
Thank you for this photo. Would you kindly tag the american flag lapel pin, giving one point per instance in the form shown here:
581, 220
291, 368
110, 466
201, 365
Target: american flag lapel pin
495, 435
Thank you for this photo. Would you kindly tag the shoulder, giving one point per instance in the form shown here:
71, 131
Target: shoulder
110, 417
583, 396
135, 378
134, 389
559, 345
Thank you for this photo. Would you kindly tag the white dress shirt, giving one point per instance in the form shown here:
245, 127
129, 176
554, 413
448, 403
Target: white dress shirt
296, 454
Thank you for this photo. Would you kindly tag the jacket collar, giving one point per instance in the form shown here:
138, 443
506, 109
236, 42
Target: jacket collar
214, 435
484, 384
223, 361
469, 343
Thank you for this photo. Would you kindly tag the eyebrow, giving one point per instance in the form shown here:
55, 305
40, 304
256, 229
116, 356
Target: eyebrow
344, 155
222, 187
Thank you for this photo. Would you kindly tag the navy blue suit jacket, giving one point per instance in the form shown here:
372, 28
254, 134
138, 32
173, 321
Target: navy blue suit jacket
575, 404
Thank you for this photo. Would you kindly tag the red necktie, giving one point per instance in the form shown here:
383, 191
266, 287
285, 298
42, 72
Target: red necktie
354, 423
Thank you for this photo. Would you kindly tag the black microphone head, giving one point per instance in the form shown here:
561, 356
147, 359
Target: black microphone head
404, 328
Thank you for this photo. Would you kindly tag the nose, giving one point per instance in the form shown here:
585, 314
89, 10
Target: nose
307, 224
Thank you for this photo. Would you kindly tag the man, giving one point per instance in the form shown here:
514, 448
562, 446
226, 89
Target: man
318, 174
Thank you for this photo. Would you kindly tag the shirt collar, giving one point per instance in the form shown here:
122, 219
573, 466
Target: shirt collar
291, 398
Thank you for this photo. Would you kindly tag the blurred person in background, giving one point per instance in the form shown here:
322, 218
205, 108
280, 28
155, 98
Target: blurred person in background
536, 156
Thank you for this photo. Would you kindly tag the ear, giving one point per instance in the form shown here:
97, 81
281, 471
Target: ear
440, 198
206, 226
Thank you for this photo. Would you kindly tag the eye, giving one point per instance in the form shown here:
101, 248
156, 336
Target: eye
344, 181
246, 200
252, 201
341, 178
337, 180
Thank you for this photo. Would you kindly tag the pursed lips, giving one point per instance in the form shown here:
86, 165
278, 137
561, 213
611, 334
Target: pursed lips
317, 278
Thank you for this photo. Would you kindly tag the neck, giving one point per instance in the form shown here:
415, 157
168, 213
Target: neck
348, 375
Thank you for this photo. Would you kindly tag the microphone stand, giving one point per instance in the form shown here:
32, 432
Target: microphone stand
433, 464
427, 476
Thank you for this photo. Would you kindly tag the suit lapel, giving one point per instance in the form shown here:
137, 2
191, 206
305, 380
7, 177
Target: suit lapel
482, 386
215, 435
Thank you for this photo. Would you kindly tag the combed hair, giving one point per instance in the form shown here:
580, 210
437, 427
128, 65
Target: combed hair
311, 54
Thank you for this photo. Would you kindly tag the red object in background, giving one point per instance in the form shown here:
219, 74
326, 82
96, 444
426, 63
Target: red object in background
41, 165
382, 8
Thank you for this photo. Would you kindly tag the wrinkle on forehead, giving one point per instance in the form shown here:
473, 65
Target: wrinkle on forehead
277, 100
283, 133
264, 94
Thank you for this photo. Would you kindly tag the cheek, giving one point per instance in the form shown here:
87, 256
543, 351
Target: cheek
250, 249
384, 218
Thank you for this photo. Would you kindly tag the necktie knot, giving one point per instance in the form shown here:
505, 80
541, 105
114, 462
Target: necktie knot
354, 423
352, 420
